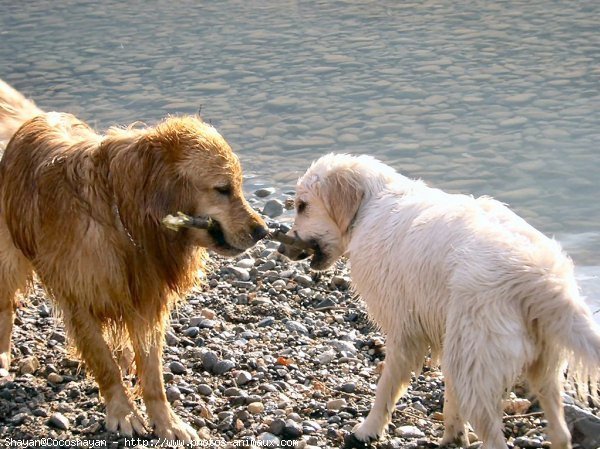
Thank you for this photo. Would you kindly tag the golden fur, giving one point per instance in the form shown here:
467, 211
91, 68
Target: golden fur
84, 212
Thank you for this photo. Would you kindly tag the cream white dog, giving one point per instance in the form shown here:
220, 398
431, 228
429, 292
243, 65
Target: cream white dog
462, 276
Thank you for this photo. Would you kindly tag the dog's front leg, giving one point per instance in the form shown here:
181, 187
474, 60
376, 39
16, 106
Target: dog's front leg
402, 359
148, 360
85, 330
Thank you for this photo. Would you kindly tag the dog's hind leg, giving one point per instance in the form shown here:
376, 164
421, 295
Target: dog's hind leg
543, 376
455, 426
148, 343
404, 355
15, 271
86, 332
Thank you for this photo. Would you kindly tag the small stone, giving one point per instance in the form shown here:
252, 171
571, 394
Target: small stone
525, 442
173, 394
177, 367
192, 332
327, 357
19, 419
209, 314
29, 365
408, 432
232, 392
256, 407
341, 282
295, 326
268, 440
243, 378
273, 208
59, 421
209, 360
336, 404
292, 430
171, 339
516, 406
419, 407
55, 378
223, 366
264, 192
204, 390
325, 304
245, 264
265, 322
304, 280
241, 273
268, 265
276, 427
349, 387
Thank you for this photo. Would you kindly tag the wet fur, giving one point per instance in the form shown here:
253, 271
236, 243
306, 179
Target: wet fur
83, 211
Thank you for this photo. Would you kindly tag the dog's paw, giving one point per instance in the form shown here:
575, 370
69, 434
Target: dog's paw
457, 439
352, 442
4, 363
173, 428
123, 417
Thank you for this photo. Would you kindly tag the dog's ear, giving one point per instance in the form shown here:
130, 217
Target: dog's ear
342, 193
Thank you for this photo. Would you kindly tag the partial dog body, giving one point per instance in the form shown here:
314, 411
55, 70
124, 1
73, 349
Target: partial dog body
465, 277
84, 212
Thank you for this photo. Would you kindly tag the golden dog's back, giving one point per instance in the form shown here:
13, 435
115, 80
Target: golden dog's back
15, 110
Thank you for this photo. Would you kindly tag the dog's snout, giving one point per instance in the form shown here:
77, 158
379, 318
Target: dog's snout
259, 232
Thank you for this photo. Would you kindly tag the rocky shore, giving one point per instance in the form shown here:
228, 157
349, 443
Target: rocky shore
265, 350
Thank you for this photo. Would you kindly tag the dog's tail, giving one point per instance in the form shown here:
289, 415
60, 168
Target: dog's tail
568, 324
15, 110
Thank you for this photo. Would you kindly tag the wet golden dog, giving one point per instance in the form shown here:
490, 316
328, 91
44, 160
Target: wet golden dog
83, 211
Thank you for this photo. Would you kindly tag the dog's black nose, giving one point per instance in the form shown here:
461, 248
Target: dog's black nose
259, 232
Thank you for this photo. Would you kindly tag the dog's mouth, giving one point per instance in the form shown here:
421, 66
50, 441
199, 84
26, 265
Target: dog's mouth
320, 257
220, 243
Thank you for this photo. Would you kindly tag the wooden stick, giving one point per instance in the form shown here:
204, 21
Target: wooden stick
181, 220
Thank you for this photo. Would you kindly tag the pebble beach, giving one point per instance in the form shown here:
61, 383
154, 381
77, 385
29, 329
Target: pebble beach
265, 352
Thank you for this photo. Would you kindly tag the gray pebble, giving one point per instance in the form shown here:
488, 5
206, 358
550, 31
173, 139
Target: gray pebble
408, 432
325, 304
204, 390
276, 427
264, 192
269, 439
304, 280
223, 366
265, 322
524, 442
295, 326
173, 393
273, 208
232, 391
243, 378
245, 263
292, 429
349, 387
241, 273
177, 367
192, 332
209, 360
59, 421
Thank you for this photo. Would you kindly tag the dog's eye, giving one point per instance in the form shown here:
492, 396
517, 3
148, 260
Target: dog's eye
301, 206
224, 190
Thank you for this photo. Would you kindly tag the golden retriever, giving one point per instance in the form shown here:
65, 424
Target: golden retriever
465, 277
83, 211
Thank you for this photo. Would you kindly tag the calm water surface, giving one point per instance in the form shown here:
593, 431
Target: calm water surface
497, 98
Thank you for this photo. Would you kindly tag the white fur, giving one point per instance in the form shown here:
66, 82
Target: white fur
463, 276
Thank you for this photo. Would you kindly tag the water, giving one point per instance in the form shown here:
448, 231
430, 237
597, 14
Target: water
497, 98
